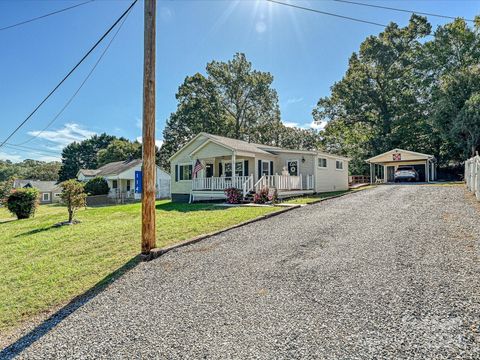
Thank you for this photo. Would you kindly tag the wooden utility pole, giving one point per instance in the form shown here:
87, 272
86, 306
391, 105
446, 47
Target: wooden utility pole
148, 151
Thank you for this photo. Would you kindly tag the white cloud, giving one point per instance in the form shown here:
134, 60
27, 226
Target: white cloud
294, 100
166, 13
158, 142
290, 124
318, 126
69, 133
260, 27
13, 157
138, 122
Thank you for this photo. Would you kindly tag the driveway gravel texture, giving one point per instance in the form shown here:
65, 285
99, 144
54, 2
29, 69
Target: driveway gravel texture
387, 273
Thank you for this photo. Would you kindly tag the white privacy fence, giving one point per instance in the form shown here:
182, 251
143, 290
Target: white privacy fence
472, 175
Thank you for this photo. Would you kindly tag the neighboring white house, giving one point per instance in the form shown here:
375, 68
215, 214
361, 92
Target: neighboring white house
49, 190
291, 172
120, 176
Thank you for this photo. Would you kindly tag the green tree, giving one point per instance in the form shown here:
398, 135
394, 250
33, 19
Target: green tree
82, 155
119, 150
232, 100
23, 202
6, 188
74, 197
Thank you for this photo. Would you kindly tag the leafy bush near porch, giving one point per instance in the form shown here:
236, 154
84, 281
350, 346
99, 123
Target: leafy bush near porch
261, 197
23, 202
97, 186
234, 196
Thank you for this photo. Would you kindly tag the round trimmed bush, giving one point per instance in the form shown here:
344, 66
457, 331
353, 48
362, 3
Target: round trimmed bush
97, 186
23, 202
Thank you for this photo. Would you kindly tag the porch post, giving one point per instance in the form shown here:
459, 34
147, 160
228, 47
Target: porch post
427, 176
233, 169
371, 173
385, 179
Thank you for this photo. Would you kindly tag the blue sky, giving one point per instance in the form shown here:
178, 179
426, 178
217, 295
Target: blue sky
305, 52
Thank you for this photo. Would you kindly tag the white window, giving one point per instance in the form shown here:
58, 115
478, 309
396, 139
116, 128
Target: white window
46, 197
238, 168
265, 168
322, 162
185, 172
339, 165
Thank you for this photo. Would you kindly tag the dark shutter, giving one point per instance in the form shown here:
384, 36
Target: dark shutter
271, 167
176, 173
259, 169
245, 167
190, 167
220, 169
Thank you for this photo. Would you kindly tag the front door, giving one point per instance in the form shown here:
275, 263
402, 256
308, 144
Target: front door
209, 170
292, 167
390, 173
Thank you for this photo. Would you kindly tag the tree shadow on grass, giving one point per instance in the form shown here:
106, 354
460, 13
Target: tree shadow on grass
36, 231
42, 329
182, 207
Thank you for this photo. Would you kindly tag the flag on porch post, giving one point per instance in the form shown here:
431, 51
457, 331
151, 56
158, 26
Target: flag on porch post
198, 166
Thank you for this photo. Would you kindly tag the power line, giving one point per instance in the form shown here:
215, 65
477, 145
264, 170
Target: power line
79, 88
44, 16
69, 73
401, 10
328, 13
32, 150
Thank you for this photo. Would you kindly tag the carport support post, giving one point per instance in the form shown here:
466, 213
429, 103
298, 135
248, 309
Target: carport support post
148, 143
371, 173
427, 175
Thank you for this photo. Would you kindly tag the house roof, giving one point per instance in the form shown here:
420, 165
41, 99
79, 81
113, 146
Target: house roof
244, 146
42, 186
396, 150
113, 168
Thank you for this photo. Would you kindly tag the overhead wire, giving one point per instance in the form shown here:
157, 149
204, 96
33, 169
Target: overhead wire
68, 74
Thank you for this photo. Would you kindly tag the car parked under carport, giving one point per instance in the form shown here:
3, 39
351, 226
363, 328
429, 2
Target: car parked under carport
383, 166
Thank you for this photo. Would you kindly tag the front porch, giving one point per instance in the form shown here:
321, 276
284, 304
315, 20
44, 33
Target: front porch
212, 188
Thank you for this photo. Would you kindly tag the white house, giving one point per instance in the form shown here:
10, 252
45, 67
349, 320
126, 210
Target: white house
120, 176
49, 191
255, 166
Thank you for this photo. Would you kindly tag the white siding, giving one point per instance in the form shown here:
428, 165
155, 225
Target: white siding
329, 178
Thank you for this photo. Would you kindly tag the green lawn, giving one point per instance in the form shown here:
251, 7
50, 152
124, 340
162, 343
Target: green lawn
43, 266
322, 196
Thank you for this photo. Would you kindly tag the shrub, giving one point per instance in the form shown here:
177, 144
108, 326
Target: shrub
261, 197
234, 196
6, 188
23, 202
273, 197
73, 195
97, 186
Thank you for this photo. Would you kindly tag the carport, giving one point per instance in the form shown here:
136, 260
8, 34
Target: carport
383, 166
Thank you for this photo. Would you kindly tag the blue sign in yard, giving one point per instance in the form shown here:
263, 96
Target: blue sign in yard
138, 182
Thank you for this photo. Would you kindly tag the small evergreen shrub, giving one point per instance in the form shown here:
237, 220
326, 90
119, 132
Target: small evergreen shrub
23, 202
73, 195
234, 196
97, 186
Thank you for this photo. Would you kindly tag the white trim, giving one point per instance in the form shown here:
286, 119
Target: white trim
261, 168
341, 162
224, 161
426, 156
326, 163
208, 142
48, 196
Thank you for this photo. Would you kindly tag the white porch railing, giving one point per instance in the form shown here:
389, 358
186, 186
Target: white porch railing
285, 182
219, 183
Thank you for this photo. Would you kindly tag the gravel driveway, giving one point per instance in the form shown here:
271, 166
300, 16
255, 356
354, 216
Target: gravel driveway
391, 272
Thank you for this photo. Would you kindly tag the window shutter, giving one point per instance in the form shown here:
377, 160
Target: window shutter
271, 167
220, 169
190, 167
176, 172
259, 169
245, 167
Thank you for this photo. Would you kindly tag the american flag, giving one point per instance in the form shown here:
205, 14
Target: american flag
397, 157
198, 166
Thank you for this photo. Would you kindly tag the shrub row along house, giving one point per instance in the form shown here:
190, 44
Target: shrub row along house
209, 164
49, 191
120, 177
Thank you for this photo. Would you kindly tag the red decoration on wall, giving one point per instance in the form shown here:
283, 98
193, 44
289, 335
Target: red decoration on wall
397, 157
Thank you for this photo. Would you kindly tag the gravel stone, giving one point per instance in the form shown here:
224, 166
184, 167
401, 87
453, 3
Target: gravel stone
387, 273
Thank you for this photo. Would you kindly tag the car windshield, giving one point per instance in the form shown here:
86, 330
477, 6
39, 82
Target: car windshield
404, 168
